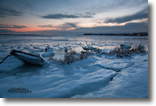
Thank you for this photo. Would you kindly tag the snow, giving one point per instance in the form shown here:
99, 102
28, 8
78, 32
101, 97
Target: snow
48, 53
113, 65
96, 76
132, 82
11, 63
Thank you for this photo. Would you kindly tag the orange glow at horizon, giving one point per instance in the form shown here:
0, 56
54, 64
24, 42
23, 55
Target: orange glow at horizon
28, 29
31, 29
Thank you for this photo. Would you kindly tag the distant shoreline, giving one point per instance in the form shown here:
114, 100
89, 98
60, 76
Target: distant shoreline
119, 34
88, 34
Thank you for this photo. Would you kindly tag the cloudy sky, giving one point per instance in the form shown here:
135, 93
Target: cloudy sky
73, 16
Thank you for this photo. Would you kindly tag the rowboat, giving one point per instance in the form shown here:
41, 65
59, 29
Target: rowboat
28, 58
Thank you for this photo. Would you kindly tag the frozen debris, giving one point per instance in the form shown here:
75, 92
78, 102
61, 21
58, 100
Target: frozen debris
141, 48
120, 52
67, 49
71, 57
28, 58
83, 54
127, 47
85, 48
10, 63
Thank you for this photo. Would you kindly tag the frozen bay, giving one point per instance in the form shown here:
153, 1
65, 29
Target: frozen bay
97, 76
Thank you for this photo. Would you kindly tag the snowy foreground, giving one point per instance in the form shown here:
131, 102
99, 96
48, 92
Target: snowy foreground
96, 76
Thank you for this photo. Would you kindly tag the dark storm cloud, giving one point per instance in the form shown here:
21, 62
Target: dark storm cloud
140, 15
46, 26
62, 26
38, 7
9, 12
69, 25
12, 26
128, 28
61, 16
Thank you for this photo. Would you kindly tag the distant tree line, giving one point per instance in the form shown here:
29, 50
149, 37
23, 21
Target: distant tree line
119, 34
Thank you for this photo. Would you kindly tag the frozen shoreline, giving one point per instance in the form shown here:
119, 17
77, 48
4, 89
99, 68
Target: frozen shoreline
97, 76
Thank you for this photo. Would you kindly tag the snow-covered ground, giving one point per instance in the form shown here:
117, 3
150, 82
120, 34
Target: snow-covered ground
97, 76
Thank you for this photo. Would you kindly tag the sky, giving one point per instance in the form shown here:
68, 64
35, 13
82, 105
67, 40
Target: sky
73, 16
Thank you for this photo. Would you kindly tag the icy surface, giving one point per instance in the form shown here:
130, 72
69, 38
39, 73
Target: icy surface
132, 82
97, 76
10, 63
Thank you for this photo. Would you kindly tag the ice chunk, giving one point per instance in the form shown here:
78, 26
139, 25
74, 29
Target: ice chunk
105, 51
48, 53
26, 47
10, 63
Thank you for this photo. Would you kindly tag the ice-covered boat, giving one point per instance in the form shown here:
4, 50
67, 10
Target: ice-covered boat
28, 58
